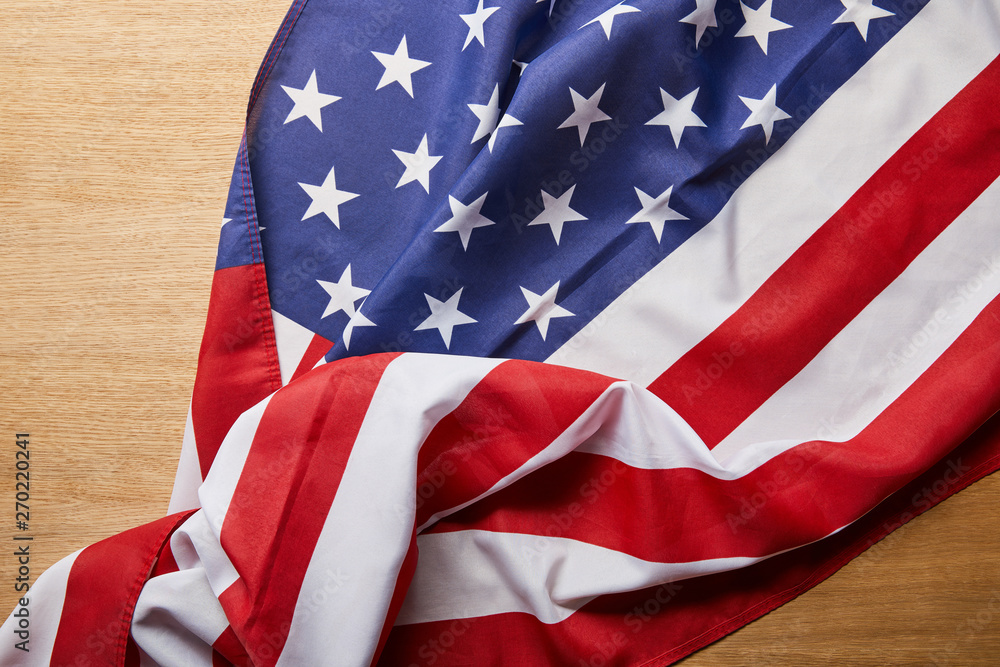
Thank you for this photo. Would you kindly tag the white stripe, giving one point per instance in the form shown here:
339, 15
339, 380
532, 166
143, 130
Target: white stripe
216, 494
45, 606
618, 423
645, 432
196, 543
292, 340
367, 532
473, 573
888, 345
703, 282
178, 618
642, 431
188, 478
195, 546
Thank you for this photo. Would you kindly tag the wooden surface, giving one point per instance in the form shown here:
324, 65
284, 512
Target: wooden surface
119, 123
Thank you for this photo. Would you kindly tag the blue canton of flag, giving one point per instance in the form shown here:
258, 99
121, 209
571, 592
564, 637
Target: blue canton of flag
485, 180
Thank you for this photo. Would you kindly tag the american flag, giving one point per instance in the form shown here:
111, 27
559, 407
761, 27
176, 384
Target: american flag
574, 332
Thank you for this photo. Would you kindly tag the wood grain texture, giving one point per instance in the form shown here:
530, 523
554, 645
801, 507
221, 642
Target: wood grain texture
120, 123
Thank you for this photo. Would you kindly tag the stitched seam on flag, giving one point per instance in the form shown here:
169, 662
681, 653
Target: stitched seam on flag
262, 297
244, 169
260, 278
272, 53
140, 580
267, 325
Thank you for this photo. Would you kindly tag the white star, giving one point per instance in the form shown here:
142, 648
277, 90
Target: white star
677, 114
465, 218
656, 211
703, 18
357, 320
399, 67
418, 165
521, 67
308, 102
607, 20
764, 112
343, 294
487, 114
506, 121
445, 316
225, 220
860, 12
759, 24
326, 199
542, 309
556, 213
476, 21
585, 112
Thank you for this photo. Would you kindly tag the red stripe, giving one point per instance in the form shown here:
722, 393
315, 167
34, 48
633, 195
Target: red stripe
318, 347
101, 592
234, 366
219, 661
132, 657
227, 650
808, 491
657, 626
289, 481
403, 579
515, 412
237, 603
842, 267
